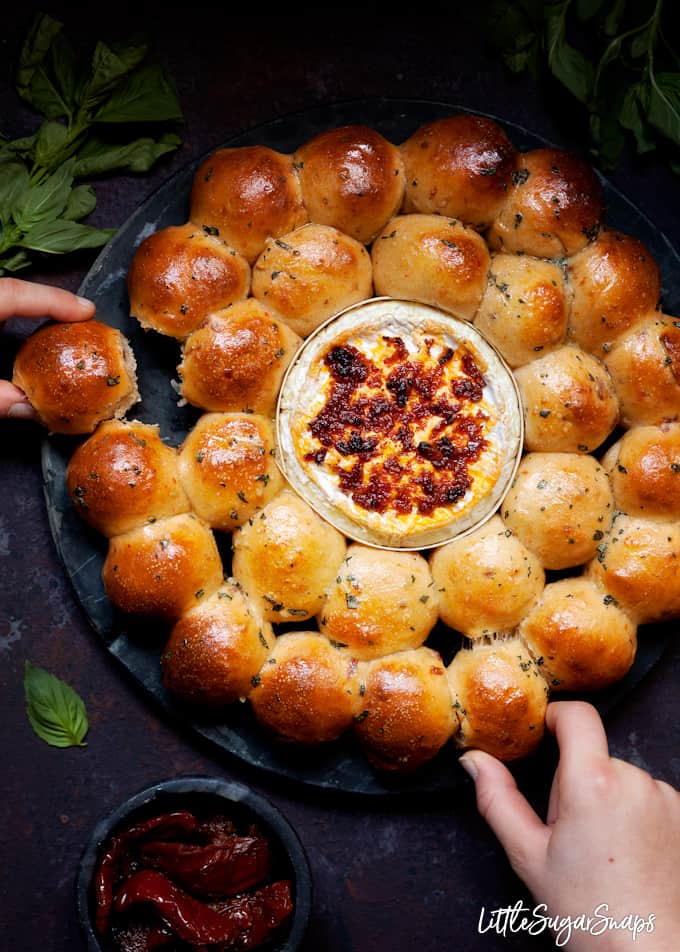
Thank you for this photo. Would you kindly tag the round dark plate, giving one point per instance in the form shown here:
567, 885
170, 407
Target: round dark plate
339, 766
205, 794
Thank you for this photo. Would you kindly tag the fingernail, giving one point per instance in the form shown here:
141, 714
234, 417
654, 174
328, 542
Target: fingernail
84, 302
21, 411
468, 765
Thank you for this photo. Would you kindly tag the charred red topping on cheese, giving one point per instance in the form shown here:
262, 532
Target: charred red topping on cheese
403, 432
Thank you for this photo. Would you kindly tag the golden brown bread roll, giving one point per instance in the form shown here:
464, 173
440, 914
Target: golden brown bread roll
559, 505
644, 470
486, 581
307, 690
162, 569
554, 206
638, 568
227, 468
286, 557
569, 402
379, 602
123, 476
351, 178
181, 274
644, 364
310, 274
578, 636
405, 716
433, 260
216, 649
237, 359
76, 375
247, 195
500, 697
460, 167
525, 307
614, 281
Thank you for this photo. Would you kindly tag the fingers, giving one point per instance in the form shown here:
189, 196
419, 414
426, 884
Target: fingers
26, 299
522, 834
13, 402
580, 733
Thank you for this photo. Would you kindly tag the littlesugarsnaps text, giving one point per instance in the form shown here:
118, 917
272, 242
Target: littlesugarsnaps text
520, 918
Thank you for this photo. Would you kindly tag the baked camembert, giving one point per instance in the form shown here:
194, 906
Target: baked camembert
399, 424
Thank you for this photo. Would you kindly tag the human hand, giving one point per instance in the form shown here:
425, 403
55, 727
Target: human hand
612, 835
25, 299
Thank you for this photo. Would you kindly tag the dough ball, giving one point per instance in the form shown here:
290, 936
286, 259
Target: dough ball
644, 364
433, 260
307, 690
405, 716
247, 195
559, 505
286, 557
500, 697
486, 581
237, 360
459, 167
569, 402
380, 601
614, 281
181, 274
525, 307
581, 640
123, 476
76, 375
554, 206
351, 178
310, 274
638, 567
644, 470
162, 569
216, 649
227, 468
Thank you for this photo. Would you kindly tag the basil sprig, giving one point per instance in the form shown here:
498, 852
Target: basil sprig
624, 69
40, 206
55, 712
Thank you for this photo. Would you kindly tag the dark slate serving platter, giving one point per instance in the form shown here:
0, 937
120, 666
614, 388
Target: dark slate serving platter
339, 766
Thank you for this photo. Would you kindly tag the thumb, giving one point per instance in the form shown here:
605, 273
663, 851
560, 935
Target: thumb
522, 834
14, 402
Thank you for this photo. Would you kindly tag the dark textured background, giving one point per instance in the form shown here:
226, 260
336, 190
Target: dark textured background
386, 876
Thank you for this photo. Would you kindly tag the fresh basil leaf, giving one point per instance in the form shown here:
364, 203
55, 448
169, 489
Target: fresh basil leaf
147, 95
614, 17
55, 712
51, 138
632, 116
109, 66
81, 202
63, 63
13, 147
587, 9
44, 95
45, 202
569, 66
60, 236
13, 182
642, 41
663, 112
97, 157
14, 262
36, 47
607, 137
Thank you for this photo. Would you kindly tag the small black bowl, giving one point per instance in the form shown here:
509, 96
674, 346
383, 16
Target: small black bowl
204, 794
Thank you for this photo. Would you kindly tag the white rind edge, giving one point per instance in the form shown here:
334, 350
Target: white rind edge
370, 312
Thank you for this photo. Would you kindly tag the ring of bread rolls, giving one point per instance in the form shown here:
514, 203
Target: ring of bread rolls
571, 306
